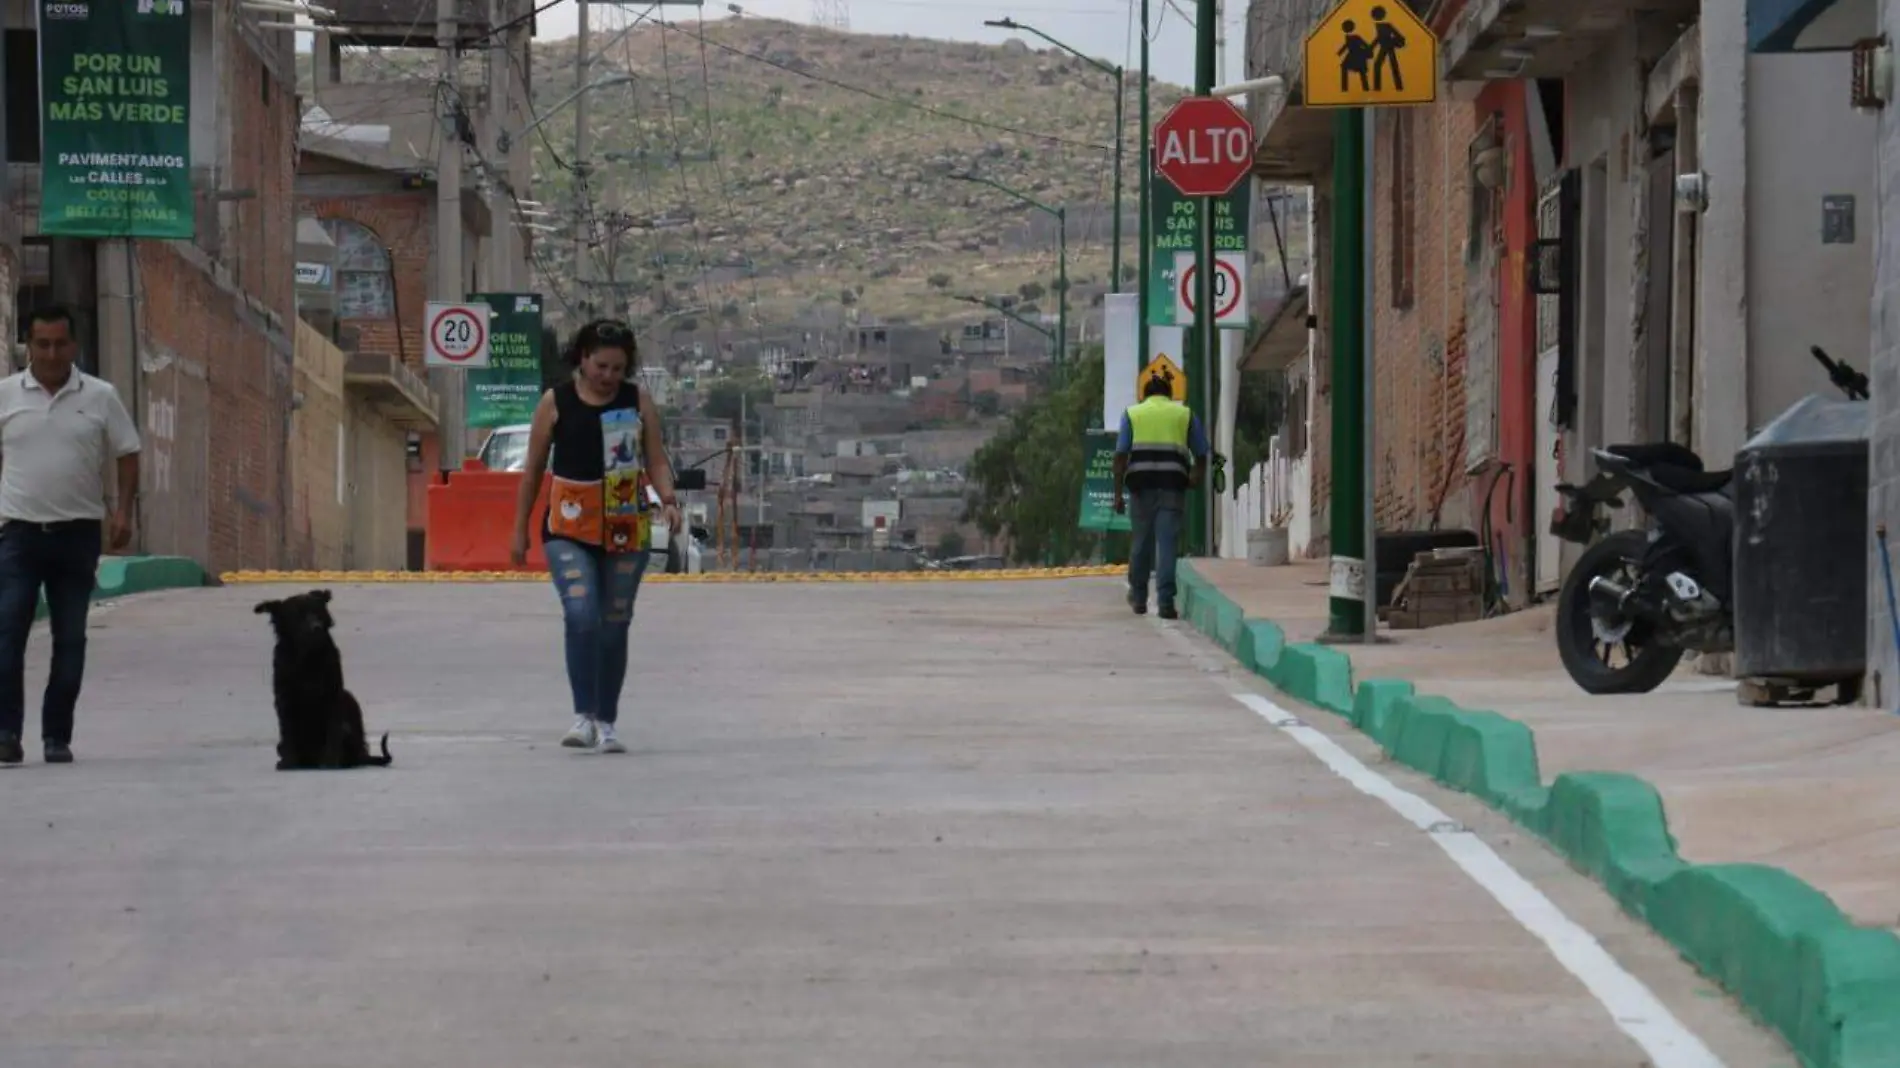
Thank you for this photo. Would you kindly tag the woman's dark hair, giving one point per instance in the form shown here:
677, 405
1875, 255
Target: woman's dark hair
603, 334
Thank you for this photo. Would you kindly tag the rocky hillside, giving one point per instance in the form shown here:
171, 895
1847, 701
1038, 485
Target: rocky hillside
751, 153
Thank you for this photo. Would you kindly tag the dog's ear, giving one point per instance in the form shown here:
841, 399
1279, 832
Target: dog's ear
322, 596
267, 607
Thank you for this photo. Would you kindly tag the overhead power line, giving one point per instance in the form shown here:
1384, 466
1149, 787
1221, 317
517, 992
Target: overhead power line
892, 100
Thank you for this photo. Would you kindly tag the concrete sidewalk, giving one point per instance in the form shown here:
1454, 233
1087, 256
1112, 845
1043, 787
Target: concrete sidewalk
1813, 791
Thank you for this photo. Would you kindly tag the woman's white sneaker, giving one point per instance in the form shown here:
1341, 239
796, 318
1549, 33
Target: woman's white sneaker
582, 735
609, 741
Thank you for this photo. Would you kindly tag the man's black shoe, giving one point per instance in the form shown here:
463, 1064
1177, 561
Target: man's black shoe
10, 751
59, 753
1140, 607
1168, 612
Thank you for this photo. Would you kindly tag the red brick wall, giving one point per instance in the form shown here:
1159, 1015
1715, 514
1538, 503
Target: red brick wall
1421, 193
260, 246
233, 458
242, 438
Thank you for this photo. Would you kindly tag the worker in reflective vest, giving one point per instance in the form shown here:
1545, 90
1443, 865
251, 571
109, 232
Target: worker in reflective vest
1161, 454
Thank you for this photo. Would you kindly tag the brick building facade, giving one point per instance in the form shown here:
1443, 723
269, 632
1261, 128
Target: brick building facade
366, 212
212, 384
1420, 190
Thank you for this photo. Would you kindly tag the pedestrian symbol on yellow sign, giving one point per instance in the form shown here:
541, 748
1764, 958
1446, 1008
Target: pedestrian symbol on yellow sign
1376, 52
1165, 369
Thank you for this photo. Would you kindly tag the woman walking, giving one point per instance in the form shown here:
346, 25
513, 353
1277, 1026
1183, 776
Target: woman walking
610, 469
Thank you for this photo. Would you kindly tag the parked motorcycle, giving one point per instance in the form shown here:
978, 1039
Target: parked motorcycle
1637, 600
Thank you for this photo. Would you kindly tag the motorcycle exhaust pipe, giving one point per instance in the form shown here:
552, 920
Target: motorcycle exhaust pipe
1616, 601
1610, 597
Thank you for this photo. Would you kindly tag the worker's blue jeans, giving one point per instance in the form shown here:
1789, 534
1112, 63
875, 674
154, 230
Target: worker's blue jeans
597, 590
1155, 516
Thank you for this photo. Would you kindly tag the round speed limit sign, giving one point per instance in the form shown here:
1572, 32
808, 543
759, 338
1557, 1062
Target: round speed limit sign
457, 335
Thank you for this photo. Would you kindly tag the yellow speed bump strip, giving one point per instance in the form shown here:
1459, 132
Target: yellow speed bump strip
707, 578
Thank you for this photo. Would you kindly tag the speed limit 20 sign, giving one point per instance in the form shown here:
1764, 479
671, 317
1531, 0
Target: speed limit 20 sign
1230, 289
455, 335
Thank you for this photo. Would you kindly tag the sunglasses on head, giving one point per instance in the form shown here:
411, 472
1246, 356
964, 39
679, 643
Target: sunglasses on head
609, 332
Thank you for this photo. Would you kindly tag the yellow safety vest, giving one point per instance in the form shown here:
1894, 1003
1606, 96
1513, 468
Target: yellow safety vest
1158, 456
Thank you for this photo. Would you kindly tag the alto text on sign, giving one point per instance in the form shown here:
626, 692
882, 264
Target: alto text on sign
1371, 53
456, 335
1230, 289
1203, 146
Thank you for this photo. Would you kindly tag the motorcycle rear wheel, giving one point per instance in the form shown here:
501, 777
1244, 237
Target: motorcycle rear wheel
1588, 656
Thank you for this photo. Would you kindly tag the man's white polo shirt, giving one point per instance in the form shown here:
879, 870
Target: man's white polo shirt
54, 447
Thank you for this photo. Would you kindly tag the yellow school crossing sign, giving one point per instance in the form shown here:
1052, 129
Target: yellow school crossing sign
1371, 53
1167, 371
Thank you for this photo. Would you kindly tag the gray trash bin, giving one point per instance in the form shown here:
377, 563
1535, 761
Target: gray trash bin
1800, 576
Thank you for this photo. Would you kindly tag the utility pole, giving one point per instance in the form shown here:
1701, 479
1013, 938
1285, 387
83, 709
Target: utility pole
1143, 345
503, 235
1222, 389
583, 230
449, 284
1203, 360
1346, 606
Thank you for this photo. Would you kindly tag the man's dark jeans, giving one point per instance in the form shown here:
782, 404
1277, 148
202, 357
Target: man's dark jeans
64, 559
1154, 516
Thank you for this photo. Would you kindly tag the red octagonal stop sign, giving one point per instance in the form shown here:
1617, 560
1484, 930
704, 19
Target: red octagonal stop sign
1204, 146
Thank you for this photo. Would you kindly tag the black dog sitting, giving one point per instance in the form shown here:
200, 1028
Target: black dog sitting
319, 723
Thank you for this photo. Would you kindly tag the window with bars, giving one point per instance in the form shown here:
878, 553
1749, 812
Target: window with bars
365, 288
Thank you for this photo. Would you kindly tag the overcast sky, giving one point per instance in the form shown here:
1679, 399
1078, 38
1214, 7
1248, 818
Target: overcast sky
1101, 28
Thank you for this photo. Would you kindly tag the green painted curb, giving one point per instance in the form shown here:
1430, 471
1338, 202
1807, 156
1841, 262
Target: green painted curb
1781, 947
121, 576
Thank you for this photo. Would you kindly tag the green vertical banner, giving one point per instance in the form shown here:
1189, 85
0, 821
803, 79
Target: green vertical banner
1098, 483
1172, 223
115, 118
505, 392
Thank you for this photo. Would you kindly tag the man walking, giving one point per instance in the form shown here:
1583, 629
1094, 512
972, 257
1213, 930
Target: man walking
1159, 438
58, 427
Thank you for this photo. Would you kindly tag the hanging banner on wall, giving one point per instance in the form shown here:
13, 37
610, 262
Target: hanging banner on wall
505, 392
115, 119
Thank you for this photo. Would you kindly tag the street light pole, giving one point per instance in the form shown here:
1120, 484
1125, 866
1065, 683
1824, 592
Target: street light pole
1062, 298
1062, 263
1143, 344
1121, 125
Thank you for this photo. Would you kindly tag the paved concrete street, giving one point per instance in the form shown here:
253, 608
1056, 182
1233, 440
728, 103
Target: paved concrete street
861, 825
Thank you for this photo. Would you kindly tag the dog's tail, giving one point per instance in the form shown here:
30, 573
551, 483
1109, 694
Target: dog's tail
385, 760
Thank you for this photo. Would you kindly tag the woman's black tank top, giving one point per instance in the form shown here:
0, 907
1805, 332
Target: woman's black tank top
579, 453
578, 449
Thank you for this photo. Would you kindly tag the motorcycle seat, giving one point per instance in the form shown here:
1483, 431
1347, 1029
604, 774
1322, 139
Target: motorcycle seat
1683, 480
1659, 454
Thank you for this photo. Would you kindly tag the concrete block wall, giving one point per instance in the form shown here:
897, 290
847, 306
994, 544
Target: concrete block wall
378, 491
319, 505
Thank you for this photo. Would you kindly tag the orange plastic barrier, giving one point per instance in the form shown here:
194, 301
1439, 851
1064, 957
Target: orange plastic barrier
471, 521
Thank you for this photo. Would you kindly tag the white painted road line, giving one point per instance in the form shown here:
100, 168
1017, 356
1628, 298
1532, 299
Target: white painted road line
1631, 1005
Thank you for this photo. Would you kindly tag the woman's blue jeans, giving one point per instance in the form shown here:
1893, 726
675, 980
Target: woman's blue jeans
597, 591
